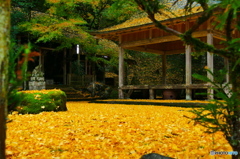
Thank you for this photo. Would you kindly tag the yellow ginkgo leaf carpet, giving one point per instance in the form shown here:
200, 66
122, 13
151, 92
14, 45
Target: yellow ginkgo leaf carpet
106, 131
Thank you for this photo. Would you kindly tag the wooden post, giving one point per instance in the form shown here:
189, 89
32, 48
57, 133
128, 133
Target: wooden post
164, 69
227, 89
121, 73
210, 64
64, 66
226, 65
188, 72
151, 94
70, 67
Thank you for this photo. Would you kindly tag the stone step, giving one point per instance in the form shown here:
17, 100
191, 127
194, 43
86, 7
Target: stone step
72, 94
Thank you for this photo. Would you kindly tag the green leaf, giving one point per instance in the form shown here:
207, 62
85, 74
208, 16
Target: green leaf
201, 77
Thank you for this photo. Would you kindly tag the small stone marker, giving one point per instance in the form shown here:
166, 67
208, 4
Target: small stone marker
37, 81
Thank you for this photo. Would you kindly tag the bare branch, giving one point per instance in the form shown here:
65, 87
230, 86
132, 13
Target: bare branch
205, 15
163, 27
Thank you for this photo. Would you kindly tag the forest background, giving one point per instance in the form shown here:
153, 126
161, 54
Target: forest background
65, 24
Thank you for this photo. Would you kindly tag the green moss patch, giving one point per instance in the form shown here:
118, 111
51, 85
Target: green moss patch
34, 102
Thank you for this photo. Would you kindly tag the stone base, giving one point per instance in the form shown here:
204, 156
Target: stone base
37, 85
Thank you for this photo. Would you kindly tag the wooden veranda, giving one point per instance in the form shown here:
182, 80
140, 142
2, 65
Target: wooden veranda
143, 35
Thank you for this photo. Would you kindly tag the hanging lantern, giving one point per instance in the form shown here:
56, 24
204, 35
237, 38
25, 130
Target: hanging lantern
77, 49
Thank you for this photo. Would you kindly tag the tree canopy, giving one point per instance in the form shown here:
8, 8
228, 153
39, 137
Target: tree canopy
67, 23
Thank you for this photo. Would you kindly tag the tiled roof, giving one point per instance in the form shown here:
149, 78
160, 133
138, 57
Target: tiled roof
145, 20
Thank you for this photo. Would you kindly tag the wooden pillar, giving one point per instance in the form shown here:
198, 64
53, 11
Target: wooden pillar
151, 94
227, 89
64, 67
210, 64
164, 69
69, 80
226, 65
188, 71
94, 78
121, 73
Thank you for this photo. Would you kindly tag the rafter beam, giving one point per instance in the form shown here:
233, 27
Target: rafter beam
158, 52
162, 39
218, 35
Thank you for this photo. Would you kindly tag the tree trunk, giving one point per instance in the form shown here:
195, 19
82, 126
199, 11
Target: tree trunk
235, 138
4, 50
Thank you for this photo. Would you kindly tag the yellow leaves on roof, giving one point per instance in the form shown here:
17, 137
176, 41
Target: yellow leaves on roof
105, 131
145, 20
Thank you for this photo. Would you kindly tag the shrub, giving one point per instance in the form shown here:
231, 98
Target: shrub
114, 94
34, 102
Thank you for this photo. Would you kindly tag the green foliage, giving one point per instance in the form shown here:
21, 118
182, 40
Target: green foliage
219, 78
36, 102
231, 10
113, 94
77, 68
103, 53
16, 72
22, 11
49, 28
119, 12
14, 98
66, 23
28, 5
219, 115
59, 98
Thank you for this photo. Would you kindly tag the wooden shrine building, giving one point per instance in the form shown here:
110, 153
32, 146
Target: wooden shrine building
142, 35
